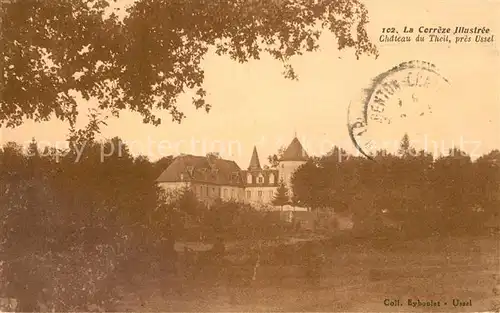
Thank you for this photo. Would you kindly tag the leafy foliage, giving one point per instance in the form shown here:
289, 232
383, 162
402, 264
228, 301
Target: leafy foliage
274, 159
448, 195
231, 219
309, 184
405, 148
56, 50
69, 226
281, 196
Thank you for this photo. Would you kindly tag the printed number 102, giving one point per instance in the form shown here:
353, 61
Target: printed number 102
389, 30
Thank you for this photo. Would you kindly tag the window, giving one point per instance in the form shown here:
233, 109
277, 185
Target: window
271, 194
259, 193
225, 193
234, 177
249, 178
249, 194
282, 165
232, 193
271, 178
261, 180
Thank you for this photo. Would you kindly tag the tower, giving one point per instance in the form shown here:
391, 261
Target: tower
254, 161
293, 157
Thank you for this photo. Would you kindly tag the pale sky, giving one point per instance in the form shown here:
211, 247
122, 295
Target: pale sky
253, 104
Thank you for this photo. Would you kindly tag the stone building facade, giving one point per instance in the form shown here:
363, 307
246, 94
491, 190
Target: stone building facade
211, 177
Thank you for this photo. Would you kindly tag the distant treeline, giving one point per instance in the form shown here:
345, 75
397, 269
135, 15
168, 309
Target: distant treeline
450, 194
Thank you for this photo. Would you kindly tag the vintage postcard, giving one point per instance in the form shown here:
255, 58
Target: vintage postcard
249, 155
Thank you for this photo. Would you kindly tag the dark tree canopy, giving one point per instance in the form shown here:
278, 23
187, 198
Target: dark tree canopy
308, 185
55, 50
449, 193
405, 148
281, 197
274, 159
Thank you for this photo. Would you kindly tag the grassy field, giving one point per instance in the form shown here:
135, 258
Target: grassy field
357, 276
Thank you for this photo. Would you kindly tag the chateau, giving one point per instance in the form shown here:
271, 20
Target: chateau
211, 177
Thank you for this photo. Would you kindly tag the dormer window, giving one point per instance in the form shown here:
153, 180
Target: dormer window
190, 170
260, 178
235, 177
249, 178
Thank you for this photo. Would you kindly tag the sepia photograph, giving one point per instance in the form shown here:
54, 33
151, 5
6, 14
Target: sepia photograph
249, 156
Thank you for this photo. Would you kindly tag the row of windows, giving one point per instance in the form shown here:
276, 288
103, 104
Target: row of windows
260, 193
205, 191
232, 193
213, 191
260, 179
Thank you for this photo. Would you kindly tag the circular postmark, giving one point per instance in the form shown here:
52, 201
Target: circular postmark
403, 93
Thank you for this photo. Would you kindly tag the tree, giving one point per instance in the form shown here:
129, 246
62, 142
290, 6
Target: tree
405, 150
220, 219
58, 214
54, 51
274, 159
162, 164
487, 180
453, 187
281, 197
309, 185
335, 156
33, 150
213, 155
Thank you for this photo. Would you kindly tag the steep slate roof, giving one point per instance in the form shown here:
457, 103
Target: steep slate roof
295, 152
254, 161
212, 170
191, 168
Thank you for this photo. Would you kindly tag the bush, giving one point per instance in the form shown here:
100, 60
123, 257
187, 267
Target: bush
66, 233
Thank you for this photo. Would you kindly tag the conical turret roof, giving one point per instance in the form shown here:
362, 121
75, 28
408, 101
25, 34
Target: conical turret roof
295, 152
254, 161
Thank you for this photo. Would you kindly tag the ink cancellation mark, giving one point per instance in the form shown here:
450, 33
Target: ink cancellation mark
394, 95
